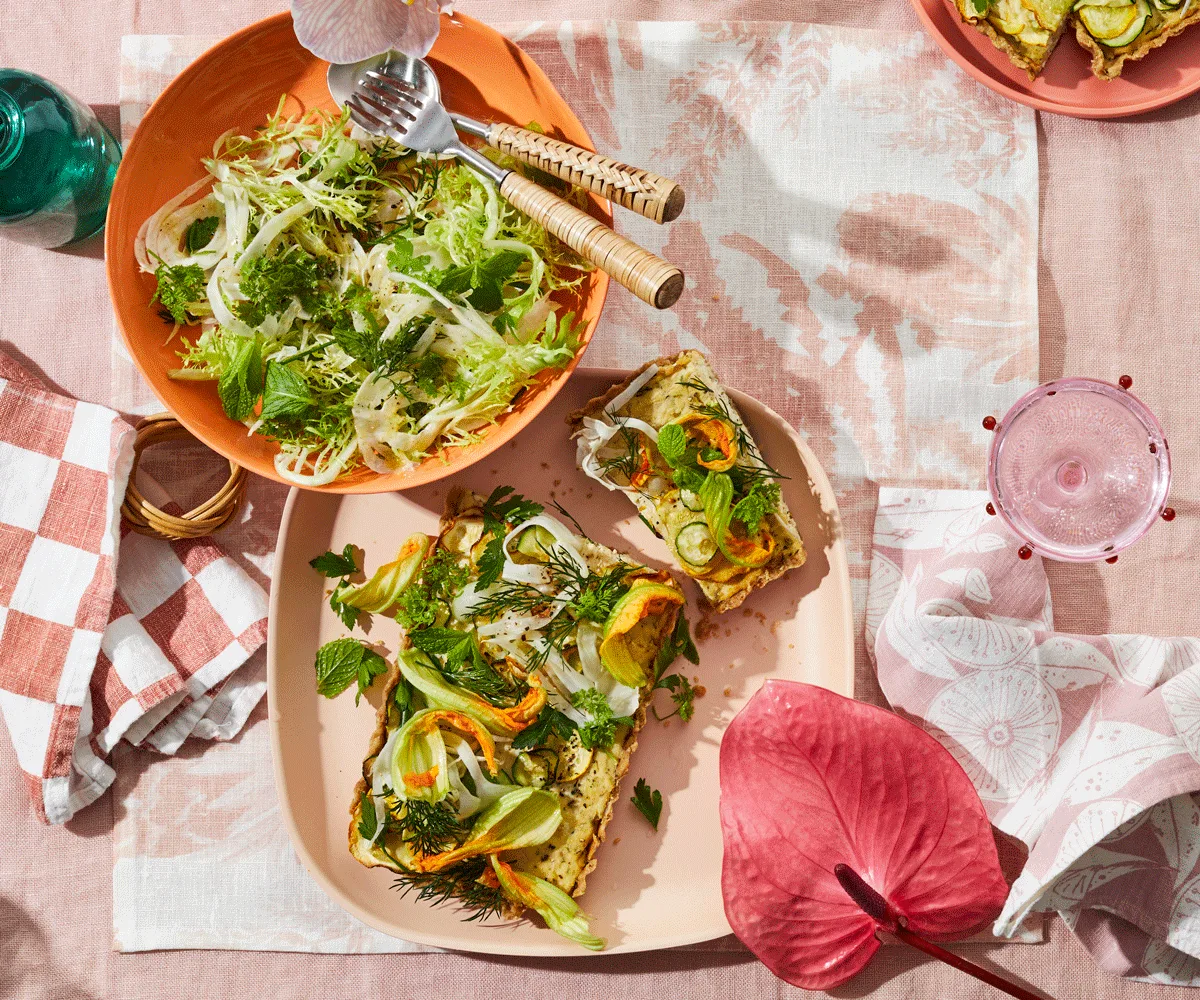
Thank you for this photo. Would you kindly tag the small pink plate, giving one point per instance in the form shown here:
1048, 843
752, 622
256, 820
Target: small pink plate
650, 890
1067, 86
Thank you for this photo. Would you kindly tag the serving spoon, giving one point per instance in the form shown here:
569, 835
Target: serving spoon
658, 198
421, 123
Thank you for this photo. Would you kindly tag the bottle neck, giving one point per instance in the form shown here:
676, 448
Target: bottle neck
12, 130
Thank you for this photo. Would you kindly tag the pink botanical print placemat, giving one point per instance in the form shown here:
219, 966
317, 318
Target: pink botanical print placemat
1086, 748
860, 240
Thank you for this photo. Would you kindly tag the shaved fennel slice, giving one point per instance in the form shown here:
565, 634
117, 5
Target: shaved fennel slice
621, 698
564, 538
631, 390
152, 224
381, 771
326, 464
596, 438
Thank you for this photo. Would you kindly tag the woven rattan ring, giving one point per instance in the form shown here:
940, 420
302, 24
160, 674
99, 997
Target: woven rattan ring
210, 516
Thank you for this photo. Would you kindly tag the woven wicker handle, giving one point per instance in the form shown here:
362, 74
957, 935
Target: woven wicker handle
655, 197
650, 278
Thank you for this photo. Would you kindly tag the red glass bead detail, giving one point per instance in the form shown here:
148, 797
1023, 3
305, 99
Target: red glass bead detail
1125, 381
1168, 514
1111, 559
989, 423
1025, 552
990, 509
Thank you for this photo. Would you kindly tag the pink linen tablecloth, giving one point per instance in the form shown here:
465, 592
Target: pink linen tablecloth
1117, 295
876, 286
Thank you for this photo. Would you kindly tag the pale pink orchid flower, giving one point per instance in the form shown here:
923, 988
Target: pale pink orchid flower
343, 31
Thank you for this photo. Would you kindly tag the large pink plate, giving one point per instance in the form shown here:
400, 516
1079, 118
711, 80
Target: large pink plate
650, 890
1067, 86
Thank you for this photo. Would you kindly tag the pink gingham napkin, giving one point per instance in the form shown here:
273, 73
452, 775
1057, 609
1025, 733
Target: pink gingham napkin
94, 649
1087, 748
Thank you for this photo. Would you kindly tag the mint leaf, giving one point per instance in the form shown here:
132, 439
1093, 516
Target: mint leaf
484, 280
369, 667
687, 478
345, 660
672, 443
648, 802
440, 641
330, 564
241, 383
763, 498
369, 823
200, 233
285, 395
550, 721
337, 666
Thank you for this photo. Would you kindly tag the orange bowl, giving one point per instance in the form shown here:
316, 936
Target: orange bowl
237, 84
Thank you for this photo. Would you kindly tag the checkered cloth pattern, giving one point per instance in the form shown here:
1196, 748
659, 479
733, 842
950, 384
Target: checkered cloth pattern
93, 650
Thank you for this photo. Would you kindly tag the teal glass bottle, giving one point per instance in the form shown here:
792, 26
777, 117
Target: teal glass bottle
57, 163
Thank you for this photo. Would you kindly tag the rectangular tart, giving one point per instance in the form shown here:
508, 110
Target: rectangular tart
563, 616
670, 438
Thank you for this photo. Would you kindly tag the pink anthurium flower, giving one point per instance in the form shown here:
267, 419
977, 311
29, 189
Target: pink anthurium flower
344, 31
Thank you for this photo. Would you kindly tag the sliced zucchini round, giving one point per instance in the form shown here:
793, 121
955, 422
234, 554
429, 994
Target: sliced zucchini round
691, 500
1115, 26
573, 760
695, 544
534, 543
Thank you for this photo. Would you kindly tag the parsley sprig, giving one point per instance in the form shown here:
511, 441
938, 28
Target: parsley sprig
179, 286
599, 732
648, 802
504, 506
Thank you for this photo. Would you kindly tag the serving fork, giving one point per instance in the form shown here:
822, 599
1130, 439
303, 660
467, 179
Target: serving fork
419, 121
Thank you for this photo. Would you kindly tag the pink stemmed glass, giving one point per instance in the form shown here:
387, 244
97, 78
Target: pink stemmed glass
1079, 469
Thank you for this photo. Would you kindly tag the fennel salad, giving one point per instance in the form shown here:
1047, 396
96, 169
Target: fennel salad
354, 301
532, 655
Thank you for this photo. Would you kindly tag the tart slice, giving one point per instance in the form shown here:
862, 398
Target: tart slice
1027, 30
513, 710
1116, 31
670, 438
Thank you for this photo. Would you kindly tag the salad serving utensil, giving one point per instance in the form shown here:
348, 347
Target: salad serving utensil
423, 124
658, 198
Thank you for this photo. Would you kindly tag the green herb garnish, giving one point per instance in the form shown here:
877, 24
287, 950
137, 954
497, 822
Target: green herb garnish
648, 802
341, 662
200, 233
330, 564
241, 383
499, 510
179, 286
600, 730
549, 722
